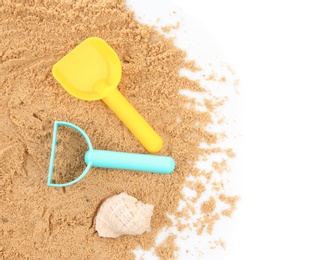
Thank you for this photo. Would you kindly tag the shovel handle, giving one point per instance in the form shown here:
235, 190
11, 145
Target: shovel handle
130, 161
144, 133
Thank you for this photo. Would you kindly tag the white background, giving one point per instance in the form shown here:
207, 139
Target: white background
268, 43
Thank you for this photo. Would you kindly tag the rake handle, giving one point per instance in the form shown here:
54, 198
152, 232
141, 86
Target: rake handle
144, 133
130, 161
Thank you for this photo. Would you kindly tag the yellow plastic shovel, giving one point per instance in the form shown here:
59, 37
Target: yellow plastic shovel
92, 71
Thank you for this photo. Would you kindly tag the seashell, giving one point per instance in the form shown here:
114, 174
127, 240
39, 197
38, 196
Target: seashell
123, 214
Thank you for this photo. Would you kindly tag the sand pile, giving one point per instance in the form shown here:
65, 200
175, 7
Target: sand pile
43, 222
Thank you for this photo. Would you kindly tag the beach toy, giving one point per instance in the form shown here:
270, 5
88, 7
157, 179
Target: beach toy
92, 71
110, 159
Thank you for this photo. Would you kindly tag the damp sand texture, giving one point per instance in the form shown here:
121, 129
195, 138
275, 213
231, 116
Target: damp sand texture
38, 221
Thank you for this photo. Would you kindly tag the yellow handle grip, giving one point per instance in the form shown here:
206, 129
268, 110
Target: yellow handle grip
134, 121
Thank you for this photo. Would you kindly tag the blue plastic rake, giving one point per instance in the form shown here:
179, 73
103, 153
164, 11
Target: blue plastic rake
110, 159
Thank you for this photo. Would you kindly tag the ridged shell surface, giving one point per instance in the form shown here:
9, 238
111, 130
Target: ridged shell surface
123, 214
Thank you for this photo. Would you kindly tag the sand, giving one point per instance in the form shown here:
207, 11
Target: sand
40, 222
